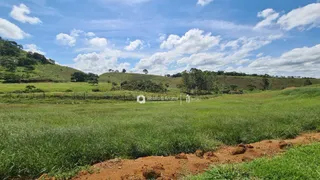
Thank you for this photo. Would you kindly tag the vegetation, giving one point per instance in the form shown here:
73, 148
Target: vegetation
297, 163
18, 66
59, 138
83, 77
141, 85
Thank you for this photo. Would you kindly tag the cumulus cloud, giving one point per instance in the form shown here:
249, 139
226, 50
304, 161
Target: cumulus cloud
192, 42
33, 48
98, 42
69, 39
90, 34
10, 30
304, 17
98, 62
303, 61
269, 16
20, 13
204, 2
134, 45
66, 39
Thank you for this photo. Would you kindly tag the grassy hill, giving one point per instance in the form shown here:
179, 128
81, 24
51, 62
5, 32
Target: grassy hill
20, 65
120, 77
241, 81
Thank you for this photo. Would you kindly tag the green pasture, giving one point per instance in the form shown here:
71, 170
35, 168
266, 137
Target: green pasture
59, 138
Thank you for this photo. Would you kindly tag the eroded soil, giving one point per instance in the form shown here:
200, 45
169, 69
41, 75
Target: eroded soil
173, 167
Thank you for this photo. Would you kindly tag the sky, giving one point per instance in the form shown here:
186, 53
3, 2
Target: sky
169, 36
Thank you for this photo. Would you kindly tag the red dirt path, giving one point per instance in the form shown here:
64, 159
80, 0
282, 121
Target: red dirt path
173, 167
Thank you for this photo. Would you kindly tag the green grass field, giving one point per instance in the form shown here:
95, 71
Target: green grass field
59, 138
56, 87
298, 163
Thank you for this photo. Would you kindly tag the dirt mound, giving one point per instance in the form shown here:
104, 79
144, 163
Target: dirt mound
173, 167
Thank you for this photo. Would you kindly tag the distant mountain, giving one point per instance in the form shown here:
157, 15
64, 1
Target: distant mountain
17, 65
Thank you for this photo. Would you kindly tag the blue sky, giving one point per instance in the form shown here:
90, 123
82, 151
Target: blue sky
169, 36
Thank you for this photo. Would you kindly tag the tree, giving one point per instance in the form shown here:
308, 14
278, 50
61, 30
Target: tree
251, 87
145, 71
9, 63
124, 70
92, 79
111, 70
265, 83
78, 77
233, 87
307, 82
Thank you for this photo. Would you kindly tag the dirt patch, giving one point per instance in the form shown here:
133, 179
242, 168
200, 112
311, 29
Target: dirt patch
173, 167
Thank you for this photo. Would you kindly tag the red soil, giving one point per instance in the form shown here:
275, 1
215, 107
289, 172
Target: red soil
173, 167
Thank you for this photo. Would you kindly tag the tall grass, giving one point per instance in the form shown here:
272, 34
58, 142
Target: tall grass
298, 163
56, 138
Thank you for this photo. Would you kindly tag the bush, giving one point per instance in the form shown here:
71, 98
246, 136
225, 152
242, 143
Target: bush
68, 90
143, 85
95, 90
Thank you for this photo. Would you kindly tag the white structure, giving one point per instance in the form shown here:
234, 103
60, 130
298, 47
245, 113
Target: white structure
141, 99
188, 98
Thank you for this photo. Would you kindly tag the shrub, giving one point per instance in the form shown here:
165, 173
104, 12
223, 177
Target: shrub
95, 90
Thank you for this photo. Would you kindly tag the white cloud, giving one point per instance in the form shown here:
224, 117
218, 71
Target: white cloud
204, 2
98, 42
162, 37
192, 42
76, 32
98, 62
66, 39
33, 48
20, 13
134, 45
69, 40
307, 16
300, 61
90, 34
269, 16
10, 30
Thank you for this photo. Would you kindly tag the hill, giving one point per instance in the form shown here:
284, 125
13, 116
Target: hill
242, 82
120, 77
17, 65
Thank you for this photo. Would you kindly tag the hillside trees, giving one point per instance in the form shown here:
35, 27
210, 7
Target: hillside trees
307, 82
83, 77
198, 81
143, 85
145, 71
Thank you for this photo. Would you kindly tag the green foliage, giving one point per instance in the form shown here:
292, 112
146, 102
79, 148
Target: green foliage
265, 83
92, 79
57, 138
9, 48
9, 63
251, 87
145, 71
83, 77
200, 82
307, 82
79, 77
143, 85
233, 87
